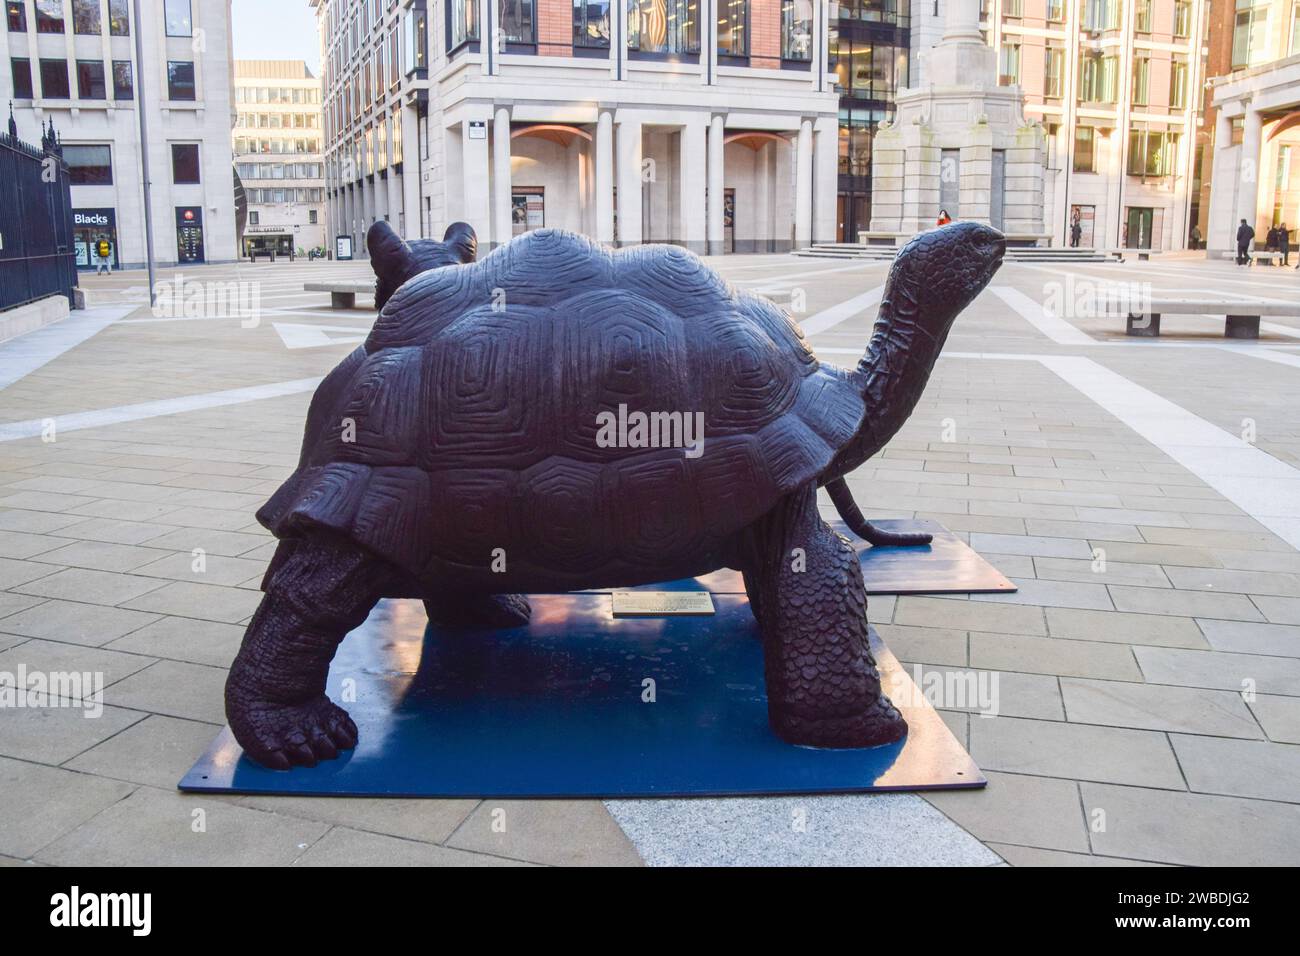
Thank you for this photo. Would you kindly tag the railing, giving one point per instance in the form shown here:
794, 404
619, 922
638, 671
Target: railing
37, 258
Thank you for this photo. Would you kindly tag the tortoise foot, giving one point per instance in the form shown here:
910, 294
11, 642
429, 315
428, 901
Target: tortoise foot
280, 736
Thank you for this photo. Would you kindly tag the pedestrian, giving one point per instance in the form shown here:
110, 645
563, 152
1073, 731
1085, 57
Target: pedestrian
1270, 240
944, 218
1284, 244
104, 253
1196, 236
1245, 236
1076, 233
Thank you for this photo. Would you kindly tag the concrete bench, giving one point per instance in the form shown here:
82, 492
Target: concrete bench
1261, 257
1242, 316
1119, 255
343, 293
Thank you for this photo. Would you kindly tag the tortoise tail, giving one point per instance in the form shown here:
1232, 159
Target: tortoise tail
840, 494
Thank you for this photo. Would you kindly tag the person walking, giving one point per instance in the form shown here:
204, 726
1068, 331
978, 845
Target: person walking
104, 253
1245, 235
1284, 244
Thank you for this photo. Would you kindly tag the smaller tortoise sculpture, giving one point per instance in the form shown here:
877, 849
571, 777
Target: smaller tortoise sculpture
458, 457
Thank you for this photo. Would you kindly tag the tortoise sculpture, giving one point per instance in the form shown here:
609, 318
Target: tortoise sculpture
462, 456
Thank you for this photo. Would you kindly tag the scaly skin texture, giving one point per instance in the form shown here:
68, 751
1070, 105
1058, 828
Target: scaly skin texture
275, 694
823, 688
479, 611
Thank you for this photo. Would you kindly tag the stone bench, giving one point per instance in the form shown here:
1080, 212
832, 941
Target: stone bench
1119, 255
343, 293
1242, 316
1263, 258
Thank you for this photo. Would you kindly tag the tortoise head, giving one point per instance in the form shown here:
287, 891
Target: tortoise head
395, 260
939, 273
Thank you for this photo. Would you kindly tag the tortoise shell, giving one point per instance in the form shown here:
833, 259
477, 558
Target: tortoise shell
468, 426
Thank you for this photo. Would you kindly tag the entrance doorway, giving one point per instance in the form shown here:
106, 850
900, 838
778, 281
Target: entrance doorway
1083, 219
1141, 222
89, 226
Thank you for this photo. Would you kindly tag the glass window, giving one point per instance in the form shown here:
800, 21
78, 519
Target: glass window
518, 21
1151, 152
1102, 14
663, 26
22, 74
1141, 80
1085, 149
591, 24
16, 13
89, 165
90, 80
85, 17
733, 27
49, 16
462, 25
796, 30
1009, 64
185, 163
1250, 34
180, 80
180, 22
1142, 16
1097, 78
1178, 84
1053, 70
1011, 8
1183, 18
1295, 27
54, 80
1056, 10
119, 18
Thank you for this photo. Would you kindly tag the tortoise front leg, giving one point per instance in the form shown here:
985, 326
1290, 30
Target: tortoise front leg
823, 688
275, 693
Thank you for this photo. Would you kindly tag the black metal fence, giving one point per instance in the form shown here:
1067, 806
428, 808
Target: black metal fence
37, 258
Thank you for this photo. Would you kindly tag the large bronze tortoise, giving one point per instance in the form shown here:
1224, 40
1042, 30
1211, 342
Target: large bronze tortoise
461, 456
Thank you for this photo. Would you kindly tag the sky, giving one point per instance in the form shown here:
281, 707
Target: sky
276, 30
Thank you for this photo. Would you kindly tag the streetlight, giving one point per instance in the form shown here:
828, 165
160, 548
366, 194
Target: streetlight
144, 148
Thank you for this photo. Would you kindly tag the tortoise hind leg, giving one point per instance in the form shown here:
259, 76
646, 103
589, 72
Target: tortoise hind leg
823, 687
275, 694
487, 612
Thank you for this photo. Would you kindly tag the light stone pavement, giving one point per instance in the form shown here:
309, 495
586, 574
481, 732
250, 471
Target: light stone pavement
1145, 496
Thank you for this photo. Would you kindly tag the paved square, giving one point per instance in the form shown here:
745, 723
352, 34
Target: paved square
1143, 494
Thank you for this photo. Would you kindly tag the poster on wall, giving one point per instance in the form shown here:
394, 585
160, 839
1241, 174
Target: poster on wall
527, 209
343, 248
1082, 221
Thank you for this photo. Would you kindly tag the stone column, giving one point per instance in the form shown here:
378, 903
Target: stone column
501, 192
473, 184
691, 176
1248, 168
604, 177
803, 185
716, 186
628, 171
411, 172
826, 180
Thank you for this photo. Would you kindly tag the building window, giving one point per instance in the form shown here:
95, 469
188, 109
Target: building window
1085, 149
16, 13
85, 18
185, 164
54, 80
255, 218
462, 25
89, 165
1178, 84
1250, 34
123, 80
1097, 79
1012, 8
1141, 80
119, 19
1295, 27
1009, 64
1151, 152
1183, 18
1056, 10
22, 74
180, 80
1053, 70
591, 24
1142, 16
180, 21
90, 80
796, 30
1099, 15
663, 26
733, 28
49, 16
518, 21
313, 218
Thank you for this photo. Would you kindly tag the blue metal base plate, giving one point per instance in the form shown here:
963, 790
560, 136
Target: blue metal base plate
556, 709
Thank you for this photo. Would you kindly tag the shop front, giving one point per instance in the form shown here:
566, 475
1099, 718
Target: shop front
90, 227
